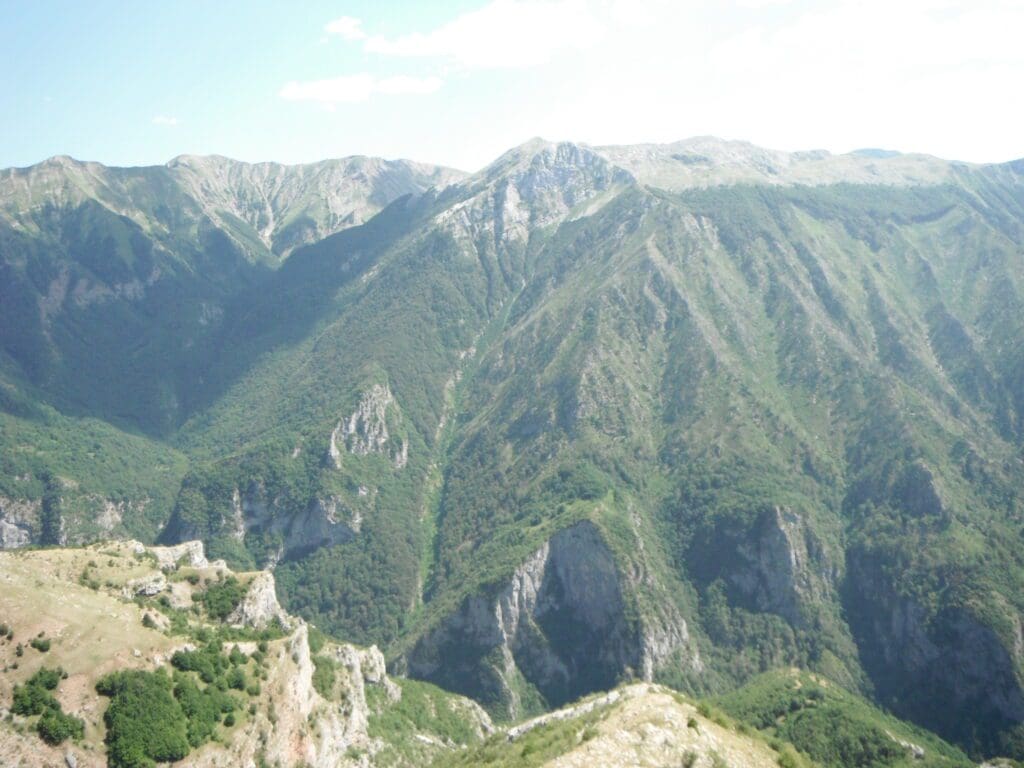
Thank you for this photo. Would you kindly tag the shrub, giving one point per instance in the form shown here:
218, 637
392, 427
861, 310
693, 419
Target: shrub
41, 644
31, 700
48, 678
207, 661
55, 727
145, 724
788, 758
34, 698
222, 598
236, 679
202, 707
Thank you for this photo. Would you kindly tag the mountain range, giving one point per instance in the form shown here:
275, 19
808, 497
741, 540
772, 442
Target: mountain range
682, 413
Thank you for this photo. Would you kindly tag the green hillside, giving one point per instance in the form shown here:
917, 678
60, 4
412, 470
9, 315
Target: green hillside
588, 415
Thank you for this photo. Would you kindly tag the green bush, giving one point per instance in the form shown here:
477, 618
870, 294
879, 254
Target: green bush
222, 598
41, 644
236, 679
208, 661
29, 700
34, 698
145, 724
203, 707
55, 727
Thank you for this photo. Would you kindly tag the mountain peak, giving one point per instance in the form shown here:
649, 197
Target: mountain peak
538, 156
706, 161
62, 160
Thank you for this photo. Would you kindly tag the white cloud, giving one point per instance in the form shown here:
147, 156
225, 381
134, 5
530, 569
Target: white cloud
165, 120
918, 75
512, 34
404, 84
347, 28
354, 88
759, 4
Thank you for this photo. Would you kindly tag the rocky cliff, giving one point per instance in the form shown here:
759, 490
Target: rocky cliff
109, 608
559, 627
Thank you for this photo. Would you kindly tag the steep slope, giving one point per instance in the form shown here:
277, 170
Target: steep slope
193, 635
292, 205
388, 315
832, 726
636, 725
787, 414
112, 275
598, 414
112, 280
705, 161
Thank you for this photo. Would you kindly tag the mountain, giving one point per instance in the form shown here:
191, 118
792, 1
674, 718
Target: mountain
110, 275
683, 413
109, 278
155, 654
143, 654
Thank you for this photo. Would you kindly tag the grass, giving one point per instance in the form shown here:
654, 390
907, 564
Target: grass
422, 710
832, 726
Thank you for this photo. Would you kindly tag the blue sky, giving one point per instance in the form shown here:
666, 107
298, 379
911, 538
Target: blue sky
457, 82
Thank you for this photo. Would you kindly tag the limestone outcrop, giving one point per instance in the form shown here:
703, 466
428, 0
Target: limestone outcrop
560, 625
259, 608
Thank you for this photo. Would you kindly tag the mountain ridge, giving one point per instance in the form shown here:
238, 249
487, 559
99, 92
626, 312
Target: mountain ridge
769, 423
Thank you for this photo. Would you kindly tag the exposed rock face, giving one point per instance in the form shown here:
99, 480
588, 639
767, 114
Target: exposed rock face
189, 552
772, 563
365, 431
259, 608
664, 633
82, 517
363, 667
916, 657
307, 729
276, 200
533, 185
644, 724
19, 522
785, 565
705, 161
290, 721
146, 586
560, 622
324, 521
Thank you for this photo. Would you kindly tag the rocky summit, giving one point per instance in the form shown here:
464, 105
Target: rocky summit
589, 444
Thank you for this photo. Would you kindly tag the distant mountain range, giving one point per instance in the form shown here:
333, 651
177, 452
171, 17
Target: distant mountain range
683, 412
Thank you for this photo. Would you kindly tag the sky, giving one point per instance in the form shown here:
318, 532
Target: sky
457, 82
